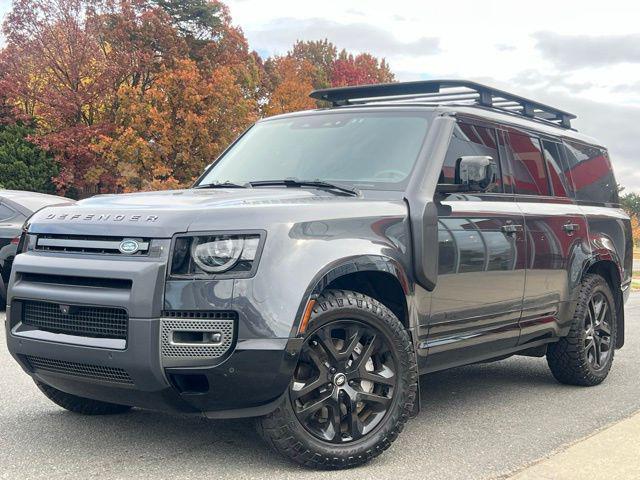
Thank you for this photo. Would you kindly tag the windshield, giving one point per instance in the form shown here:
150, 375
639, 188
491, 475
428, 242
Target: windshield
370, 150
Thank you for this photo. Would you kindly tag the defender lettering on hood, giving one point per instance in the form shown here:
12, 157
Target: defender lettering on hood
102, 217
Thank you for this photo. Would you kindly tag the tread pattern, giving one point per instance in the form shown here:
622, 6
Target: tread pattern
567, 358
83, 406
283, 433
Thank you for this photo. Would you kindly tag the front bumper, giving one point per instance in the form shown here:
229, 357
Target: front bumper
247, 380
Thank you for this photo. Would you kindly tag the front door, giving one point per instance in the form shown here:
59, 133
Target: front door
476, 305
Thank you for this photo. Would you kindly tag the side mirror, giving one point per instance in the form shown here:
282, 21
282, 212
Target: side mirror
476, 172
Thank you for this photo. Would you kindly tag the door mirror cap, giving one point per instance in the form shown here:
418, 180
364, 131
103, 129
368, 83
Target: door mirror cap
476, 172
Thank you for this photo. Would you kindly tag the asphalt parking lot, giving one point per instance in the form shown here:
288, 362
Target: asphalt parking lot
477, 422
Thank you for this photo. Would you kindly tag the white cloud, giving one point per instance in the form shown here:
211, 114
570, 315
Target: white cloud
280, 33
584, 51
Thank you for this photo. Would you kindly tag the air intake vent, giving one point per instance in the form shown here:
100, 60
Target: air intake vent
97, 372
209, 336
80, 320
213, 315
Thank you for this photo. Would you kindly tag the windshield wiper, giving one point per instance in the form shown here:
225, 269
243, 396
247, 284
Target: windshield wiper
221, 185
292, 182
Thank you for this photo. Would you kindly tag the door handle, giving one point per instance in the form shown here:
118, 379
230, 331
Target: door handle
511, 229
570, 228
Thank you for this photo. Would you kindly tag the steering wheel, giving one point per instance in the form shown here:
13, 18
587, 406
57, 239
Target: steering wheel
390, 173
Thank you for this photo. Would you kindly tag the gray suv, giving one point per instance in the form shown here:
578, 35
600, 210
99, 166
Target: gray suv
327, 259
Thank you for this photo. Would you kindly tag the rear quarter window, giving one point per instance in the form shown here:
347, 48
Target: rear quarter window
591, 173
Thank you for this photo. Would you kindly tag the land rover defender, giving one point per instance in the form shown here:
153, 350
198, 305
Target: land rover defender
328, 258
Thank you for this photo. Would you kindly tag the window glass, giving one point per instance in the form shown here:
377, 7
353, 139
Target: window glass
6, 213
591, 173
372, 150
553, 156
471, 140
507, 177
528, 165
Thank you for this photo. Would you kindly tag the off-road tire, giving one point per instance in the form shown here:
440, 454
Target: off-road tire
75, 404
567, 358
284, 433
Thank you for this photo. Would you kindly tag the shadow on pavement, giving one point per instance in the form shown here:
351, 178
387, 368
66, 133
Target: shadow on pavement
152, 436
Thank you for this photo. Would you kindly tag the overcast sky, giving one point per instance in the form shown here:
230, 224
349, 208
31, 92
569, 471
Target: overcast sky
581, 56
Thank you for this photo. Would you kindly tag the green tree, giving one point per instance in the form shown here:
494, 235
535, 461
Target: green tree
23, 165
631, 203
197, 19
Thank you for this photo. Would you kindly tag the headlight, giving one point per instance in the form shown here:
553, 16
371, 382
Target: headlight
209, 255
217, 254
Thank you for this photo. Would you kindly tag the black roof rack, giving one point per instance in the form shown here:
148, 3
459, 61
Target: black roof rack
445, 92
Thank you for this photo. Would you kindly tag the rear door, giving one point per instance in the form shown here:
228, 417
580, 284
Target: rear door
555, 230
476, 304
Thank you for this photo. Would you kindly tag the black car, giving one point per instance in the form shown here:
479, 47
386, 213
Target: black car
15, 207
327, 259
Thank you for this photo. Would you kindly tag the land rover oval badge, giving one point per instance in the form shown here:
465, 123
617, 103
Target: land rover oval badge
128, 246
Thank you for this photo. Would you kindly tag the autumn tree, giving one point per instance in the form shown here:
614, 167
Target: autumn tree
293, 81
58, 74
359, 69
165, 137
317, 64
321, 54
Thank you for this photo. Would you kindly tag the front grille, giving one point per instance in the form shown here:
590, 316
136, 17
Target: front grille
101, 245
98, 372
85, 321
222, 323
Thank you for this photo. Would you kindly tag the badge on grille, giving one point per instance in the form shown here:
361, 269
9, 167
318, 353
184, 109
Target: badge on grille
64, 309
128, 246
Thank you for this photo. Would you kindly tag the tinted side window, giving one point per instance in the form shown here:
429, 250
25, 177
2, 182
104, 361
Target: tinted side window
529, 167
6, 213
591, 173
553, 156
470, 140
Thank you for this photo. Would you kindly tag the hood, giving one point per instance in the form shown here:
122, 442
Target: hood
161, 214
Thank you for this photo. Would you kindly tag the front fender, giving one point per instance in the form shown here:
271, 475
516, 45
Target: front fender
300, 259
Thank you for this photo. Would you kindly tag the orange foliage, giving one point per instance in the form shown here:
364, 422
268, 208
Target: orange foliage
294, 82
635, 226
167, 135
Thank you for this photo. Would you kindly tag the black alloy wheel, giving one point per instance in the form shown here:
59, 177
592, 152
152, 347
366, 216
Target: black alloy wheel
353, 389
345, 381
597, 341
